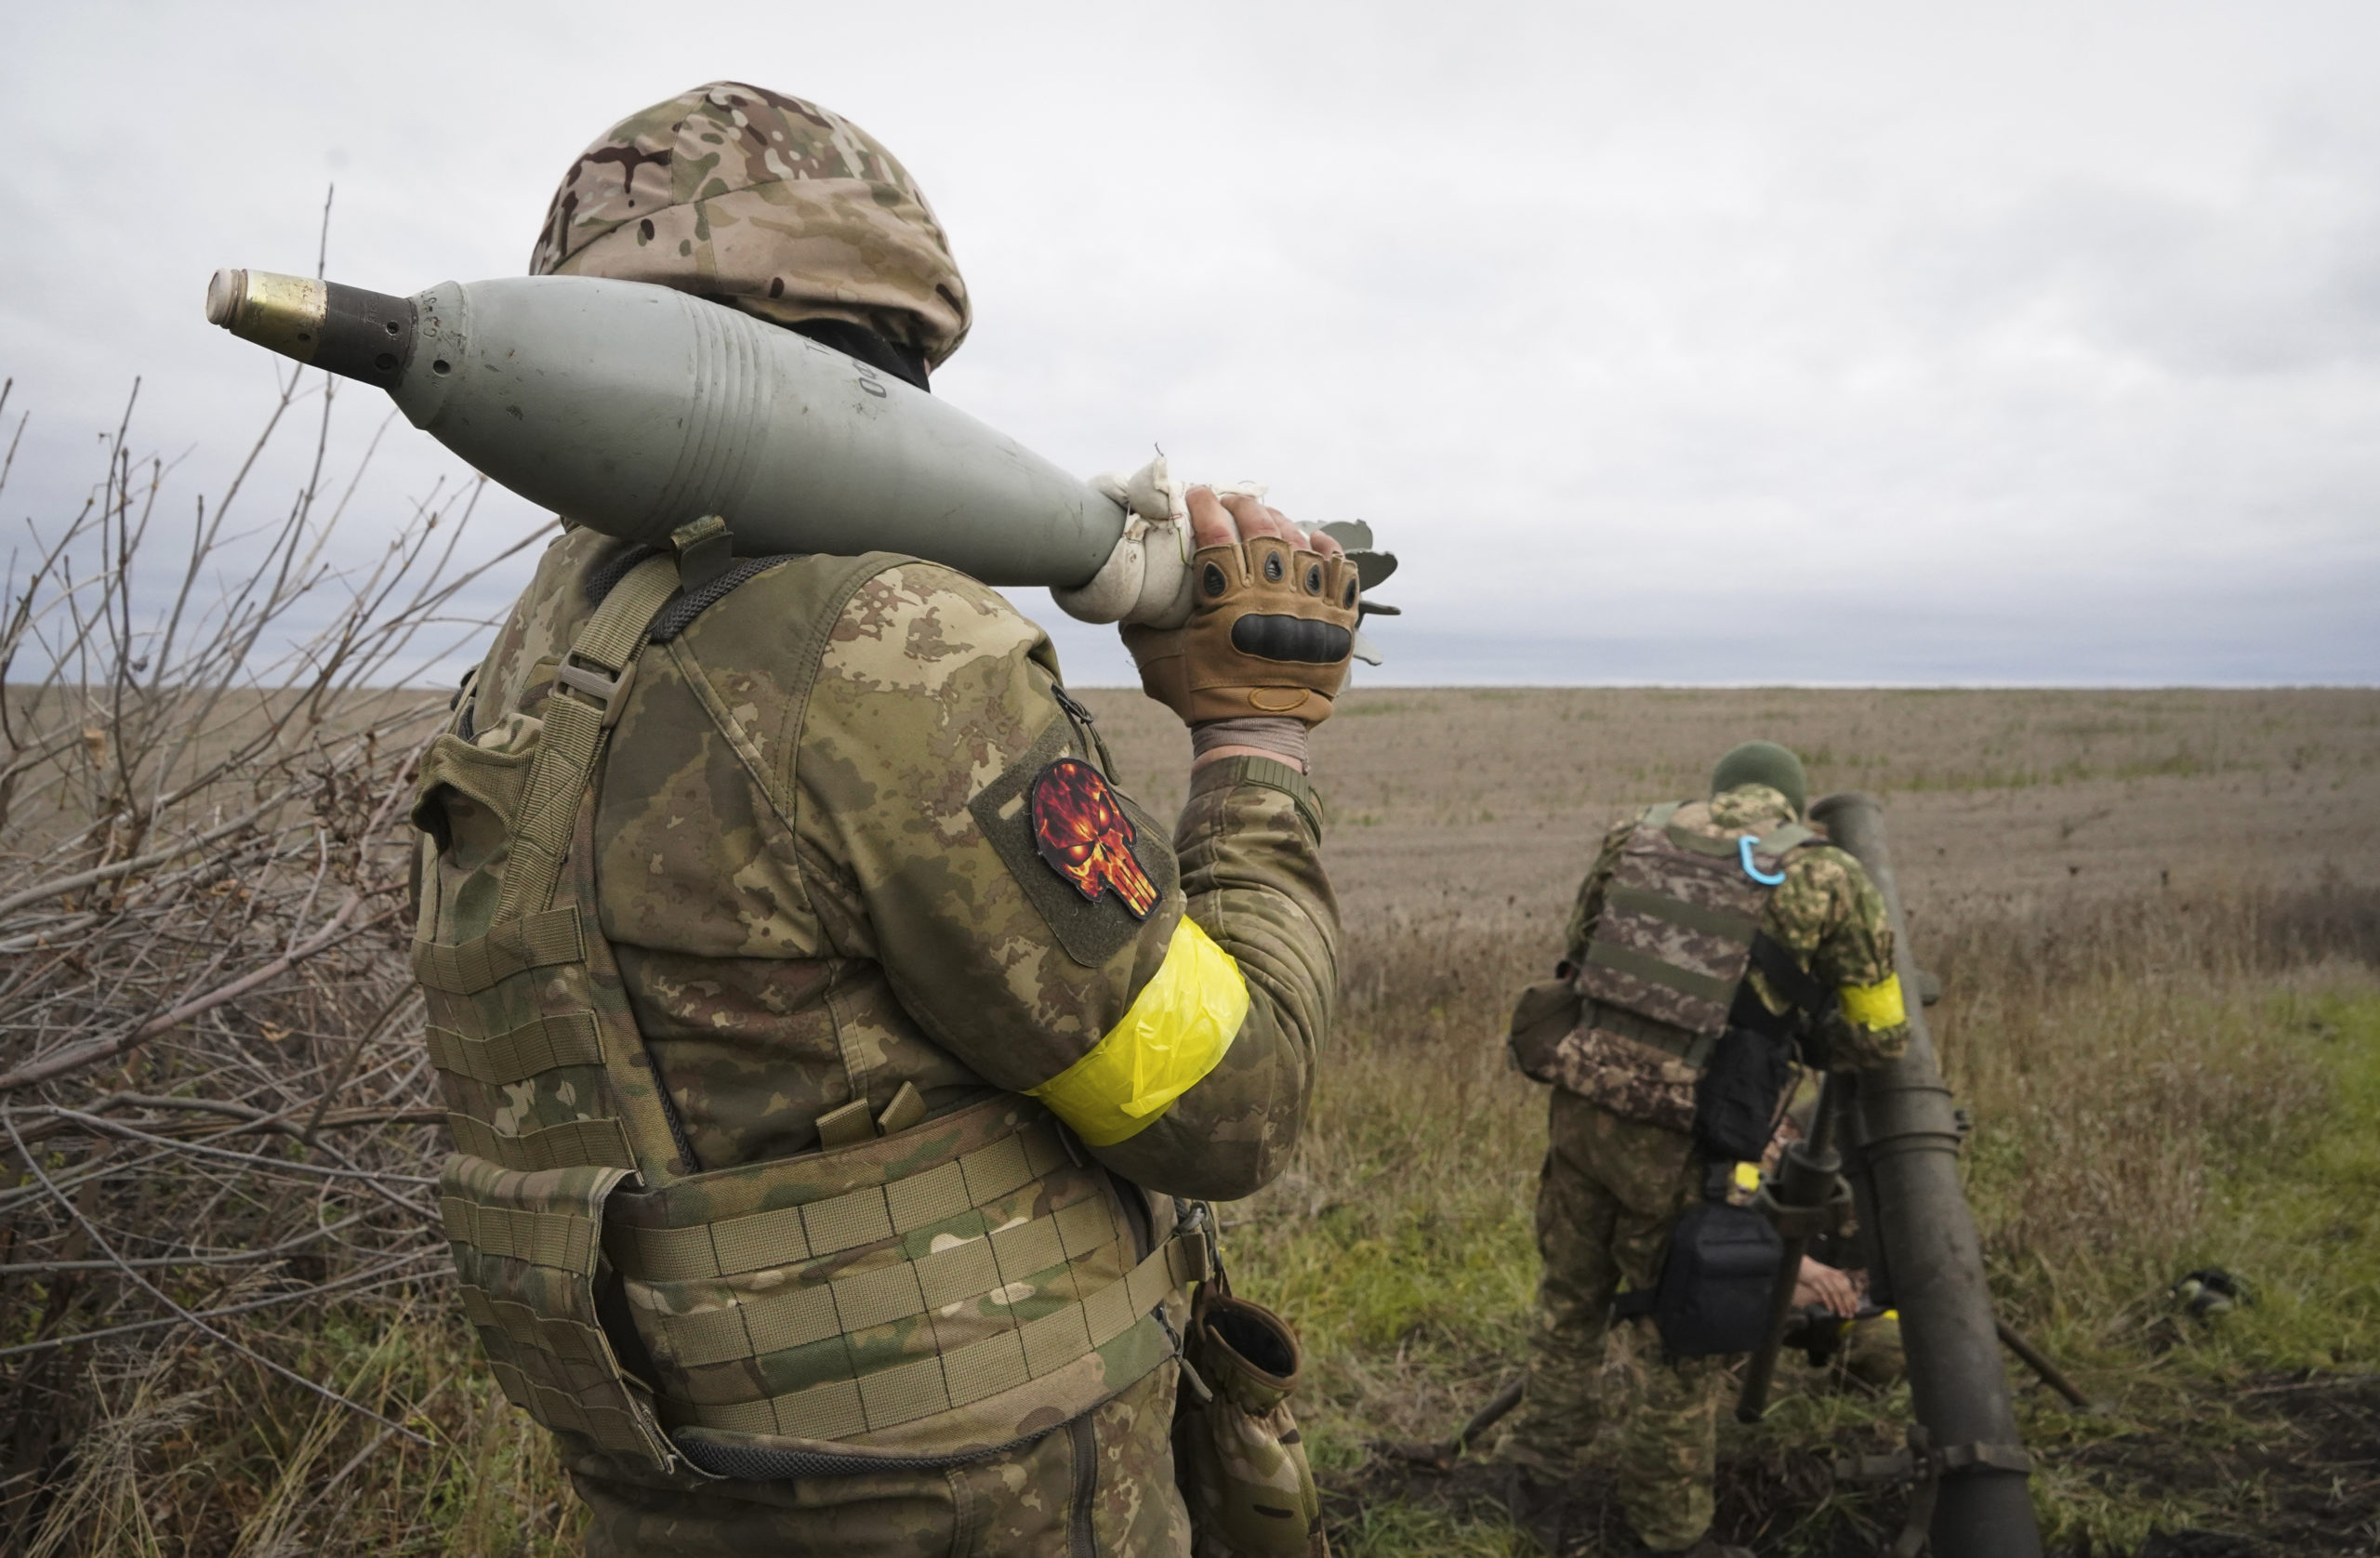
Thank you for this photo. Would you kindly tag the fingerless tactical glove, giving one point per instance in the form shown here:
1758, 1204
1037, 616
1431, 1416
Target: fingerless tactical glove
1270, 633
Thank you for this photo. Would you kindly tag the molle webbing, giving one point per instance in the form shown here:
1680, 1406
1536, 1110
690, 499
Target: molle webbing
541, 1238
1677, 911
537, 941
571, 1144
1653, 969
526, 1246
1675, 932
1693, 1049
876, 1400
779, 1322
730, 1245
804, 1355
518, 1054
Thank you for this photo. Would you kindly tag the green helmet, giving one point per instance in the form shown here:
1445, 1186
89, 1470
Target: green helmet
1763, 762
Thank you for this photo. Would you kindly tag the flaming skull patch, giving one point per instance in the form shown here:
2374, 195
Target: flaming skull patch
1080, 829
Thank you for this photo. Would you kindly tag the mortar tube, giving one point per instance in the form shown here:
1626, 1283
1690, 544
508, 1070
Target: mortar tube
1908, 1140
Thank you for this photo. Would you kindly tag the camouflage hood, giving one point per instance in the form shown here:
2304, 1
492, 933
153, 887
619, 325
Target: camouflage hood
777, 206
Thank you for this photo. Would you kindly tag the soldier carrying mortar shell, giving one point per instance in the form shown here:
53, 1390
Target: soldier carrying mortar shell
840, 1060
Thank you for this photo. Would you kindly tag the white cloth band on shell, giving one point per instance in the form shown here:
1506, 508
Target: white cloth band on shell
1146, 578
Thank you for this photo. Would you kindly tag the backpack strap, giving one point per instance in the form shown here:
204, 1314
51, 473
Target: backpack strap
1785, 975
591, 685
1805, 1000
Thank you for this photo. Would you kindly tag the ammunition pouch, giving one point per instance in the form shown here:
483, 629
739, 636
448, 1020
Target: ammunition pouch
1238, 1455
911, 1298
1716, 1276
1542, 1018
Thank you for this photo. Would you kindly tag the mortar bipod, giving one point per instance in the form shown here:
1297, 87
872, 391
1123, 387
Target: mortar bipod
1797, 1201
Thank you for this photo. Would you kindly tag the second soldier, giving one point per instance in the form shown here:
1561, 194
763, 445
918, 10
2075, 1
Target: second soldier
1698, 917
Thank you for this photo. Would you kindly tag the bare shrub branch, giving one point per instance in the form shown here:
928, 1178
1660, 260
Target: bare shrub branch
216, 1124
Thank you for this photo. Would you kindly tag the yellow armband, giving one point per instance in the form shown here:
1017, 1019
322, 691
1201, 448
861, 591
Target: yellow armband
1176, 1032
1875, 1006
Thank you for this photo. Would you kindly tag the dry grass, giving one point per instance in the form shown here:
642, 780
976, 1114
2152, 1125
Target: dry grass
2120, 1056
1469, 803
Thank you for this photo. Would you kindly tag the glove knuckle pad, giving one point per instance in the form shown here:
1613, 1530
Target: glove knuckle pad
1298, 639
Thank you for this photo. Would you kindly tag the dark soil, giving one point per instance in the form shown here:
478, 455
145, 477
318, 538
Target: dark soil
2295, 1475
2307, 1482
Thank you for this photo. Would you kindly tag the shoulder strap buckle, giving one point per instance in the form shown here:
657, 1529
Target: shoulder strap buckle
609, 693
706, 551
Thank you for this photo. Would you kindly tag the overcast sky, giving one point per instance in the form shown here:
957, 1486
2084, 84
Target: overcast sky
1708, 342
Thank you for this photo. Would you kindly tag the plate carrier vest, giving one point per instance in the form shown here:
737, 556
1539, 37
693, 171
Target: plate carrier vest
814, 1315
1675, 938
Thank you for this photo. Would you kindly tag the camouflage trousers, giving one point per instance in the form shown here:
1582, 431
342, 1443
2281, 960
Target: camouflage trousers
1610, 1191
1102, 1487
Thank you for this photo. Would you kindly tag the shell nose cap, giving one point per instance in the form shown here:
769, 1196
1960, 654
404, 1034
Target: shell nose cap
224, 291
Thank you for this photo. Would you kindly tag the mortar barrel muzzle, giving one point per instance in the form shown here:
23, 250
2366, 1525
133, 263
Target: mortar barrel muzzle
344, 330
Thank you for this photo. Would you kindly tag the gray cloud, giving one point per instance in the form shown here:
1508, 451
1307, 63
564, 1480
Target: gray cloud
1729, 343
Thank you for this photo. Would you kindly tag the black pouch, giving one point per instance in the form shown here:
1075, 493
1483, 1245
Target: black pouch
1715, 1280
1736, 1099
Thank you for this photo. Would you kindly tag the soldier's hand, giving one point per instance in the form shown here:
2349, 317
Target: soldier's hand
1820, 1282
1271, 630
1219, 521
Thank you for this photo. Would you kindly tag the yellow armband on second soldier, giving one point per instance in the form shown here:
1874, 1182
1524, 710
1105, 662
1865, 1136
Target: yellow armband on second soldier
1177, 1030
1875, 1006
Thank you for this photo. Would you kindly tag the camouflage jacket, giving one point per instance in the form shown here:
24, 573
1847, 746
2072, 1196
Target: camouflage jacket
1826, 913
818, 893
